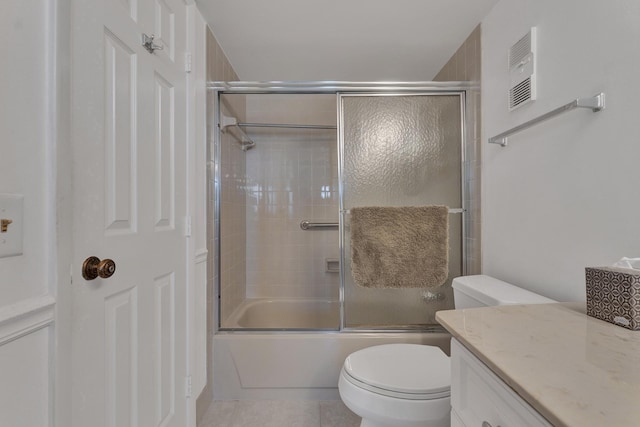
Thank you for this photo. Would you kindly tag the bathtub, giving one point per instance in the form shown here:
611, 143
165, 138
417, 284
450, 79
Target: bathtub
286, 314
292, 365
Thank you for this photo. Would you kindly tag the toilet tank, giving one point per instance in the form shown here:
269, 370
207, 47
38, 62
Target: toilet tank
485, 291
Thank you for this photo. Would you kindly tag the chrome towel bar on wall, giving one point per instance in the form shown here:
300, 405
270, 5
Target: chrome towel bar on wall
595, 103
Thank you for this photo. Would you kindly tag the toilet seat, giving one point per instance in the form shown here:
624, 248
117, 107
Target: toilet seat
404, 371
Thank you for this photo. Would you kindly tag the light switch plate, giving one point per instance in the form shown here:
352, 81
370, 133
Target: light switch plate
11, 210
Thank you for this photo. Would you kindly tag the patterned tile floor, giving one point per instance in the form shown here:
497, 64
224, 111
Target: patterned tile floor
279, 413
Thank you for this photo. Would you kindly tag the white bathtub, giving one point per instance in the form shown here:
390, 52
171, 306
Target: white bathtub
291, 365
286, 314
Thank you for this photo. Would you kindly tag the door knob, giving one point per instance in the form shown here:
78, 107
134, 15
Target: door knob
92, 267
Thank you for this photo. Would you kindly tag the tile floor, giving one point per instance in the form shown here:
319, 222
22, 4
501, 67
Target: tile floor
279, 413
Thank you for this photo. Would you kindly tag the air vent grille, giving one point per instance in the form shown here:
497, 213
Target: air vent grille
520, 94
519, 51
522, 70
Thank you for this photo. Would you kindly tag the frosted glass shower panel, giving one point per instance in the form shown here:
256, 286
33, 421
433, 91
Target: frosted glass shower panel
401, 150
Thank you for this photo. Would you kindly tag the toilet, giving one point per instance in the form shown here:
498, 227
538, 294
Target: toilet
408, 385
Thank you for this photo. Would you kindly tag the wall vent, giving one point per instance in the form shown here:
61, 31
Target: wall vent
522, 71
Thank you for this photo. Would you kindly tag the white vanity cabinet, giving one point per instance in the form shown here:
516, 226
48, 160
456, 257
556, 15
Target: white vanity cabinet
540, 365
480, 399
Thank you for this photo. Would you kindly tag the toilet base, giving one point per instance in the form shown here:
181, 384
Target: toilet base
369, 423
442, 423
378, 410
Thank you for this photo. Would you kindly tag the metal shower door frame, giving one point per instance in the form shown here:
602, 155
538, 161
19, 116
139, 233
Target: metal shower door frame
342, 211
340, 89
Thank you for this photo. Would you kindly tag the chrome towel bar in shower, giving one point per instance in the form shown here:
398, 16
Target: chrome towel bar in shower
451, 211
595, 103
306, 225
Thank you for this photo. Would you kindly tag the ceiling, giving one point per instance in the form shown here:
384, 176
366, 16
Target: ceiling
349, 40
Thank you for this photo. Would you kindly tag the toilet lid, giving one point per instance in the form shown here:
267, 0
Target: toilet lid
402, 368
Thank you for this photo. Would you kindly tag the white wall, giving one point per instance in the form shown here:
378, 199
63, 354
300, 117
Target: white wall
27, 160
563, 195
24, 394
23, 90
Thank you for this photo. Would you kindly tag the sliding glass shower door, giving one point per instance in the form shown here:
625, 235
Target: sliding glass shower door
400, 150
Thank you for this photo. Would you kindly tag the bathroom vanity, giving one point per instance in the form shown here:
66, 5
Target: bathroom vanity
541, 365
480, 398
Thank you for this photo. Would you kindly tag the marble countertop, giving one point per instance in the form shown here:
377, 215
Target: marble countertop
573, 369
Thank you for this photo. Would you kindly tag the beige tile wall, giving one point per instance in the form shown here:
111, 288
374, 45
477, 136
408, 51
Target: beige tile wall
464, 65
233, 166
292, 176
219, 69
232, 163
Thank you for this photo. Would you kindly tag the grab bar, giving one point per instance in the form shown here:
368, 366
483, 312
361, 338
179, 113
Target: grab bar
306, 225
595, 103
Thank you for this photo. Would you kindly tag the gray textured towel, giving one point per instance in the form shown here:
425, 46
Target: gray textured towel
400, 247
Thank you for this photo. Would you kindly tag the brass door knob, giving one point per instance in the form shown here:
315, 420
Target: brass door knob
92, 267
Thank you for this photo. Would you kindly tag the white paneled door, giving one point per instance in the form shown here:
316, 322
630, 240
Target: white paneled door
129, 171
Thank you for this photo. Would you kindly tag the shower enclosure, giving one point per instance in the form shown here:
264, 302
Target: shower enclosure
292, 160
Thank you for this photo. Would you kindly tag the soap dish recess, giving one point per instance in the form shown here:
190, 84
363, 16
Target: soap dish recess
332, 265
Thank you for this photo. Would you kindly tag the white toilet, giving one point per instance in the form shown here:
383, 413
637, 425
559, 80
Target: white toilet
408, 385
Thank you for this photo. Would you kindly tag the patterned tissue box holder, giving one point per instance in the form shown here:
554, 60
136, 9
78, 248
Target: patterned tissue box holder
613, 295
